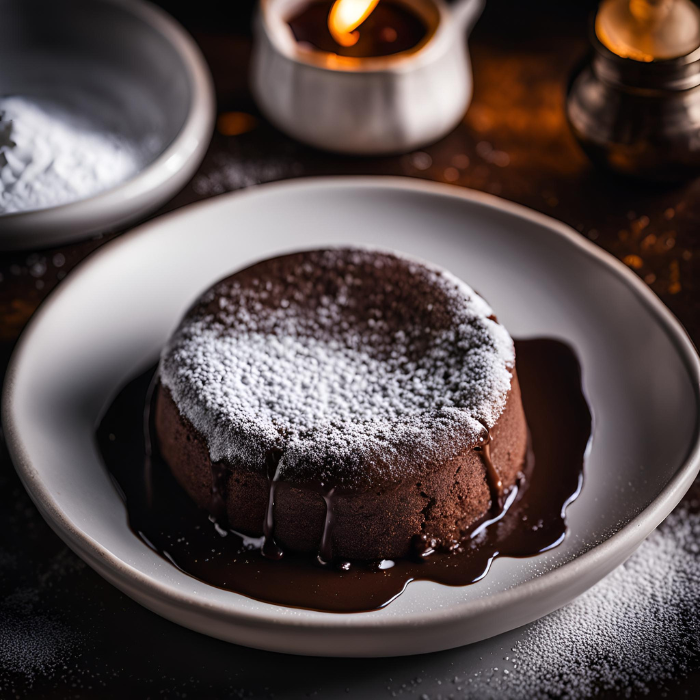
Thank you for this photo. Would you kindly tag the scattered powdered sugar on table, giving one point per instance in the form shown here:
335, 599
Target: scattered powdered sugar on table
344, 360
35, 641
33, 644
237, 168
51, 156
637, 628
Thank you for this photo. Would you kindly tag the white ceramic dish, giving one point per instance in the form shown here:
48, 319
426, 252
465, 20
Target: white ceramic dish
138, 64
387, 104
108, 321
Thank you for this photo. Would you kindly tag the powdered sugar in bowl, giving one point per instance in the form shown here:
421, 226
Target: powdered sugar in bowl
106, 110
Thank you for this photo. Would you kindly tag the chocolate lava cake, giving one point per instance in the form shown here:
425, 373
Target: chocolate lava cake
345, 402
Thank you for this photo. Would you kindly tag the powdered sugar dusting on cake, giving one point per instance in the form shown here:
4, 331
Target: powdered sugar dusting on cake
346, 360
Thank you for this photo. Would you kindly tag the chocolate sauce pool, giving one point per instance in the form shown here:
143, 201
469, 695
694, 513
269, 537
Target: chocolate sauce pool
531, 521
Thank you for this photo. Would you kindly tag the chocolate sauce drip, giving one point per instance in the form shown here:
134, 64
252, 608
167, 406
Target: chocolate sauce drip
532, 520
217, 501
325, 551
270, 548
492, 477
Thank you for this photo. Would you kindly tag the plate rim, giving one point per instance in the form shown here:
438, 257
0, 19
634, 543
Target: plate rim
563, 575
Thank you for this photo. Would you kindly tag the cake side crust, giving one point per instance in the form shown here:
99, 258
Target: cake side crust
446, 500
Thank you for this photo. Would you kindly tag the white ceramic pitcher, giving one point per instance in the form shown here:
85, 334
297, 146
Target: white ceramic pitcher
386, 104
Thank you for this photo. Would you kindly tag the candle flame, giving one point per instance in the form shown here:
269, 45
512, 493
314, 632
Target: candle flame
346, 16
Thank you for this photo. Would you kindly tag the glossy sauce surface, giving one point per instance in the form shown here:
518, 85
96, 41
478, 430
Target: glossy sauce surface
532, 520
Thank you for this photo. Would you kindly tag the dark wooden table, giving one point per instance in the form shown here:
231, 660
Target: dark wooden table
66, 632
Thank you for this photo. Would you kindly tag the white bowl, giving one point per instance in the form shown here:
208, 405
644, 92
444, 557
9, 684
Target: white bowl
108, 321
130, 56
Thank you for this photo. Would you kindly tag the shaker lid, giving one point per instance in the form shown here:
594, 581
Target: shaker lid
649, 30
656, 51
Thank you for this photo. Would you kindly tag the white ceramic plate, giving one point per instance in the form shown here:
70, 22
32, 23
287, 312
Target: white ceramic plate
137, 64
108, 321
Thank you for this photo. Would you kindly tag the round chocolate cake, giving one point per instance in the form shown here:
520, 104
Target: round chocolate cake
345, 402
